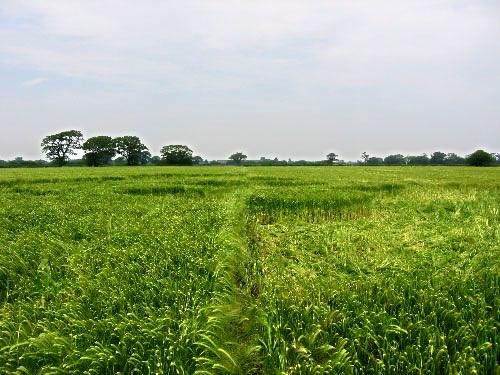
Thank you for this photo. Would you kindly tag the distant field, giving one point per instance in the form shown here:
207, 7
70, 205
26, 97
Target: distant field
250, 270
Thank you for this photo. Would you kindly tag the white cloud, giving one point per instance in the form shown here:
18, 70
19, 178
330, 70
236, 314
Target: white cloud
34, 82
358, 42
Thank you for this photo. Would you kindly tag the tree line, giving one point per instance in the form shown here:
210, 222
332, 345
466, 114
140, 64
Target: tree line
101, 150
129, 150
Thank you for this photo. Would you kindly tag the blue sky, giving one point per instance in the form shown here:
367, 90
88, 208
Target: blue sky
283, 78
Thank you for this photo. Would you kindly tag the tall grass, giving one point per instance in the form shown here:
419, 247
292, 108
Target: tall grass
250, 270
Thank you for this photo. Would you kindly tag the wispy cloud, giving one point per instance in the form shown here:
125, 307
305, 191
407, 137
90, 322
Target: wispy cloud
365, 42
34, 82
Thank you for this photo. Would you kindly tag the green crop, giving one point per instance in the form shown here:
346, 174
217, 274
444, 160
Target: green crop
250, 270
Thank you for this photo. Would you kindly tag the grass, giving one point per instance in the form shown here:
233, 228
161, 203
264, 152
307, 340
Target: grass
250, 270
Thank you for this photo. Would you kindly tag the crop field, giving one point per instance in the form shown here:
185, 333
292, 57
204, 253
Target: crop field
277, 270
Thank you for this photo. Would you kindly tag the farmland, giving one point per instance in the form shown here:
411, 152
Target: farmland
250, 270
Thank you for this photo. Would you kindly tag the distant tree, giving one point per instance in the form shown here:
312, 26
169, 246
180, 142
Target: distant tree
397, 159
365, 157
131, 148
238, 157
19, 162
197, 160
177, 155
331, 157
454, 159
99, 150
480, 158
417, 160
155, 160
58, 147
373, 160
497, 158
438, 158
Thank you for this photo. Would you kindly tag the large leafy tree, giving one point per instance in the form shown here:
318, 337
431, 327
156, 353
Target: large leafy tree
99, 150
238, 157
417, 159
58, 147
177, 155
480, 158
373, 160
438, 157
131, 148
454, 159
396, 159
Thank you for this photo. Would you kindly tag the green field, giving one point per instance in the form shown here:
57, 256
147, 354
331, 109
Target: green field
250, 270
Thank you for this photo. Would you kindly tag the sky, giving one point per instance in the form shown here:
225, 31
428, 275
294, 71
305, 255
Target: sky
282, 78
